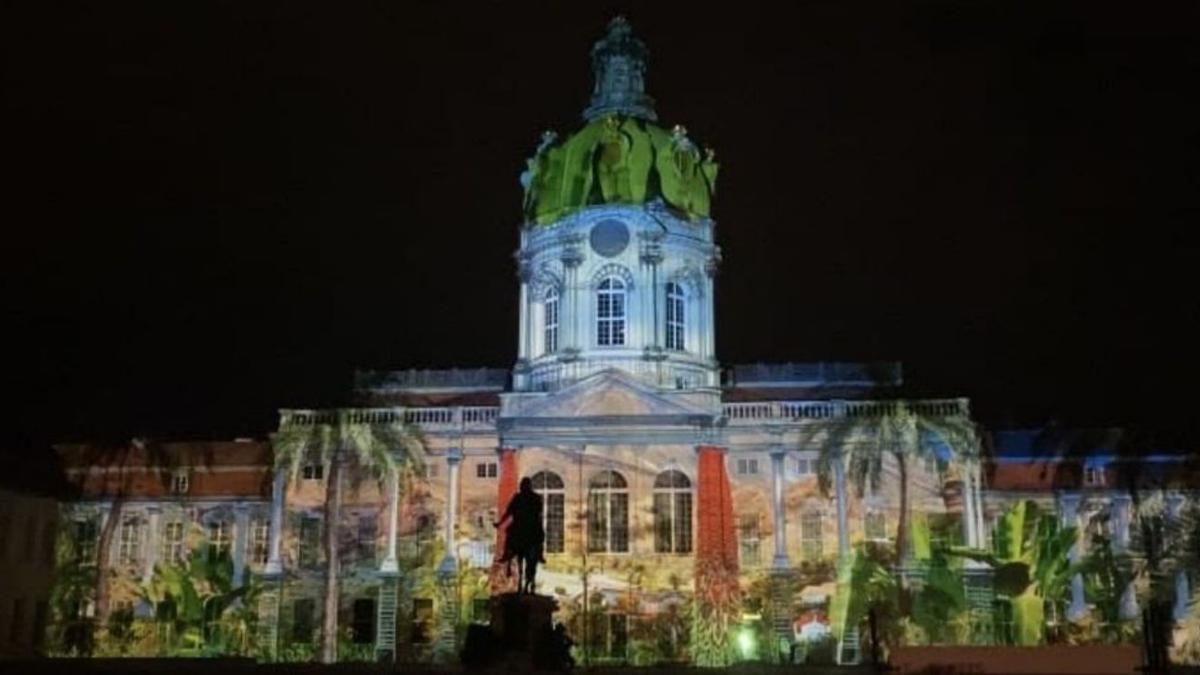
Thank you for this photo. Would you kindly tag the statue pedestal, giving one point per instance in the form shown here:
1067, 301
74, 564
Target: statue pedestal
517, 637
519, 619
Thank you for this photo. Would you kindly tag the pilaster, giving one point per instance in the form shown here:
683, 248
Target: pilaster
1068, 508
274, 566
778, 456
241, 530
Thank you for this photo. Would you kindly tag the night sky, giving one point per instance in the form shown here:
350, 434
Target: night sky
216, 210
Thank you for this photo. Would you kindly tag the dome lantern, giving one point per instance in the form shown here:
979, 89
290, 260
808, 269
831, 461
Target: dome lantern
619, 67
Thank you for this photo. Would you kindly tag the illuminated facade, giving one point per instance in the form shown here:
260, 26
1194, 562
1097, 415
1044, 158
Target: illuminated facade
679, 495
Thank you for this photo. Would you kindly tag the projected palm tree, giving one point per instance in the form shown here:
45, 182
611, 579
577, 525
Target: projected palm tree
348, 447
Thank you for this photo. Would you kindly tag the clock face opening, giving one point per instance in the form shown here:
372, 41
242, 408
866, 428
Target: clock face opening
609, 238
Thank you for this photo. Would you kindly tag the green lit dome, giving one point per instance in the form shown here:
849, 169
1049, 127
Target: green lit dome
619, 160
620, 156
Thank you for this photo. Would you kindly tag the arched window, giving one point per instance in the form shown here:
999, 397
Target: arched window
608, 513
550, 322
675, 314
672, 512
610, 312
550, 487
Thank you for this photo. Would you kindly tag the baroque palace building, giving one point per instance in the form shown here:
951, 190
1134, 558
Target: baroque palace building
664, 475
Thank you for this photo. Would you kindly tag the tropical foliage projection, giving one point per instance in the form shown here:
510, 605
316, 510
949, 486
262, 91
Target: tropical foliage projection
618, 160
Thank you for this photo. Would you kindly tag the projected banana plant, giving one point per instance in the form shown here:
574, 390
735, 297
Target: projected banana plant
199, 609
1031, 565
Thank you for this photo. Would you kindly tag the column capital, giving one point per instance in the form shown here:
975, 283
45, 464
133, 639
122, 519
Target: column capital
454, 456
778, 451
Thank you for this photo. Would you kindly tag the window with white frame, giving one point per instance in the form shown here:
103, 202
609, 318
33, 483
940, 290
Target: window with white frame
129, 549
675, 316
550, 486
313, 471
1093, 474
486, 470
672, 512
747, 466
172, 547
812, 541
804, 466
608, 513
550, 322
260, 541
875, 525
219, 539
180, 482
610, 312
84, 534
748, 540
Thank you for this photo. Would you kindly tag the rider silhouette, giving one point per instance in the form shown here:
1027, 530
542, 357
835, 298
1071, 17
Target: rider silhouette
525, 534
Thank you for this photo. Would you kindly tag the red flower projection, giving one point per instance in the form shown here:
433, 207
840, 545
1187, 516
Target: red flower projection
499, 580
718, 596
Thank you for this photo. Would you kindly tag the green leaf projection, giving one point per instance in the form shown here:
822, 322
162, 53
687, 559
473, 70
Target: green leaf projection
619, 160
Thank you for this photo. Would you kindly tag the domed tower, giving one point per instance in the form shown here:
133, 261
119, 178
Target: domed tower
617, 255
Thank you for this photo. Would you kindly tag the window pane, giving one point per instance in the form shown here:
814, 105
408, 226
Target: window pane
683, 522
597, 521
620, 522
662, 522
554, 523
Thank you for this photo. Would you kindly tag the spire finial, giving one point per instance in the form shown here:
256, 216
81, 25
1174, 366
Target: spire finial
619, 67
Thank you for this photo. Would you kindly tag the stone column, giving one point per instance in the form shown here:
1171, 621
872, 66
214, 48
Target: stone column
390, 564
839, 489
1123, 516
524, 337
570, 321
778, 456
1068, 507
1183, 594
152, 532
274, 565
449, 564
981, 535
970, 521
241, 527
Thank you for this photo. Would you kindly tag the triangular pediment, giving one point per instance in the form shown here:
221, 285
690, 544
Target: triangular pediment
609, 393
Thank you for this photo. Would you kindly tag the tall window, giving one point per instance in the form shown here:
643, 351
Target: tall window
362, 629
675, 323
550, 486
303, 624
550, 321
219, 540
260, 541
751, 550
83, 534
875, 525
672, 513
610, 312
608, 513
129, 549
811, 542
367, 534
171, 550
309, 541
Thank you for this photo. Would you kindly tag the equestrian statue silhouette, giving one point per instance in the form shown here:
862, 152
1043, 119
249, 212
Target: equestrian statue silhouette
525, 535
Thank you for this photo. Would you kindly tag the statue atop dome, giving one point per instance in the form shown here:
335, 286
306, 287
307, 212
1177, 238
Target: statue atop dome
619, 67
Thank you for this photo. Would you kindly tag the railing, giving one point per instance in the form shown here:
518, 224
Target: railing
469, 417
820, 410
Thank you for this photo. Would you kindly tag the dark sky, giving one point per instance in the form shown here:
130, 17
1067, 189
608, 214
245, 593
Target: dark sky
220, 209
